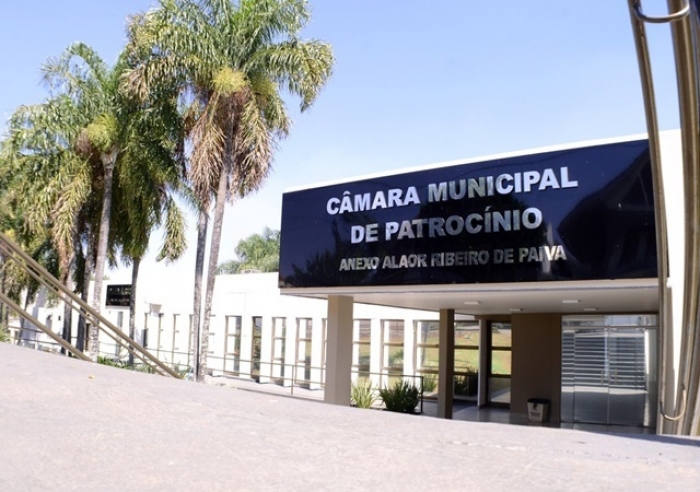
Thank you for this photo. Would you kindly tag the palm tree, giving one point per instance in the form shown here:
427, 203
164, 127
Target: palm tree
258, 252
230, 60
67, 151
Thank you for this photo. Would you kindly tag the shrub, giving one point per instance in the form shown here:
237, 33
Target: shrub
106, 361
363, 395
4, 333
429, 383
403, 397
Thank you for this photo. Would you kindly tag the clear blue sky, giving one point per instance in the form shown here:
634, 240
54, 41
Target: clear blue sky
415, 83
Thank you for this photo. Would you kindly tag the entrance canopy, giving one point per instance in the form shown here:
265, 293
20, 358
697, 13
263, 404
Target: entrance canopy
566, 229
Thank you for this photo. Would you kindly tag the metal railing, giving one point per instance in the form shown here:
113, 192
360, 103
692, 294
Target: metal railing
684, 20
13, 252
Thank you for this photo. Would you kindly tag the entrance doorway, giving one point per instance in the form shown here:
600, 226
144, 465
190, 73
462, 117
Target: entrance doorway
609, 369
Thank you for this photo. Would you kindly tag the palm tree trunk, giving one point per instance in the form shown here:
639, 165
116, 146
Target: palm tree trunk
2, 288
108, 161
89, 255
132, 303
67, 280
213, 262
202, 225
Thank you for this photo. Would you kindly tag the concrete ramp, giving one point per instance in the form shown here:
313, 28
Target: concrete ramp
72, 425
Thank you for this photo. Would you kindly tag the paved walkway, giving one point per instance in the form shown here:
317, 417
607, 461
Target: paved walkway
70, 425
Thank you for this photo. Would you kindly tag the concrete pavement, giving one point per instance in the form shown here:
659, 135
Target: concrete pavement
70, 425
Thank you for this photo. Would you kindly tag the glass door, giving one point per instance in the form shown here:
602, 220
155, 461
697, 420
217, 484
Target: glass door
499, 363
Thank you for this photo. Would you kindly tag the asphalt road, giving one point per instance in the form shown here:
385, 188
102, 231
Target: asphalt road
70, 425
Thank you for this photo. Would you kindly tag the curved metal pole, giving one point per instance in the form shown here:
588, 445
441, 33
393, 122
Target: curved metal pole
636, 7
683, 406
688, 81
665, 315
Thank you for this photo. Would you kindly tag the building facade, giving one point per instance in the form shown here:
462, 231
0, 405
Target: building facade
552, 252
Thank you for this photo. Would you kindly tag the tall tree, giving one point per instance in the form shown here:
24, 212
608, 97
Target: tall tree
258, 252
231, 61
86, 145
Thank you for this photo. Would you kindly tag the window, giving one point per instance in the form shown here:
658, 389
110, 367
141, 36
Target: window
392, 350
303, 352
279, 345
466, 369
361, 346
256, 347
232, 345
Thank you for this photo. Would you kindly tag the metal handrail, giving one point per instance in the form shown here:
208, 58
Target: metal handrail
685, 40
41, 275
665, 314
636, 6
16, 308
687, 52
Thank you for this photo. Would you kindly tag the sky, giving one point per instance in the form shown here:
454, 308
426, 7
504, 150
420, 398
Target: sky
414, 83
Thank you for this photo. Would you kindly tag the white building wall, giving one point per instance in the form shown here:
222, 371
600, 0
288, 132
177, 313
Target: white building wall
249, 296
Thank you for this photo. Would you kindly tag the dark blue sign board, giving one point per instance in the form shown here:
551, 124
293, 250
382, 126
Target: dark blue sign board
578, 214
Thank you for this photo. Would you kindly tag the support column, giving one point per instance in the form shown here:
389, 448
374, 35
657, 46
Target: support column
339, 350
482, 398
446, 364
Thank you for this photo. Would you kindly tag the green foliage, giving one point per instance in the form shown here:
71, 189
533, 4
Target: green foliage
124, 365
403, 397
102, 133
4, 333
363, 394
429, 383
229, 81
106, 361
396, 357
142, 368
259, 252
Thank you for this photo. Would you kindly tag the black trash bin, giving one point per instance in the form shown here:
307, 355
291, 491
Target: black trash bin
537, 409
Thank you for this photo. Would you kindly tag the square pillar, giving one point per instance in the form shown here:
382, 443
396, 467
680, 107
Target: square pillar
446, 364
339, 350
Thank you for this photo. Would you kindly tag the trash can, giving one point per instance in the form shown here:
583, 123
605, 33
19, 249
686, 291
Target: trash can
537, 409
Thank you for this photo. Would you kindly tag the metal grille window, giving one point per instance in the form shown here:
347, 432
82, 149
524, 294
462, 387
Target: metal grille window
232, 345
361, 343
